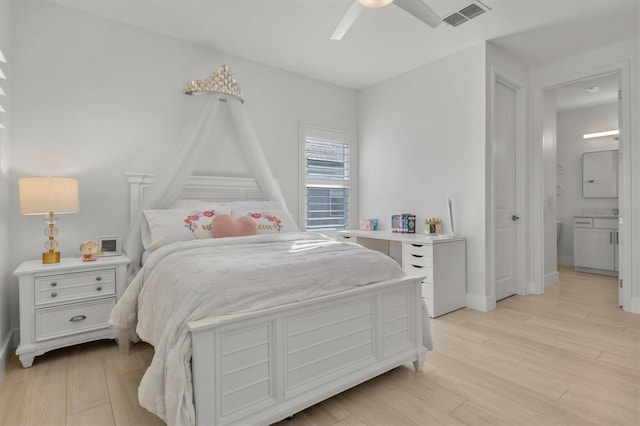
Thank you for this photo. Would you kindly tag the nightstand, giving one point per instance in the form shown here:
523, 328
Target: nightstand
67, 303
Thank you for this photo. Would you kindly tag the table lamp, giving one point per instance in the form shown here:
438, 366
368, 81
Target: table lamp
49, 195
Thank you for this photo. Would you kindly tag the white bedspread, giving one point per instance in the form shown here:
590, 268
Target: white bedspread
190, 280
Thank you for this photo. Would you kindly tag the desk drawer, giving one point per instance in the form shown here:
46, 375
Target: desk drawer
53, 289
73, 319
425, 250
419, 271
417, 260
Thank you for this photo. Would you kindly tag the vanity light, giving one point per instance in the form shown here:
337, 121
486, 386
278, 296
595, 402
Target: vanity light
600, 134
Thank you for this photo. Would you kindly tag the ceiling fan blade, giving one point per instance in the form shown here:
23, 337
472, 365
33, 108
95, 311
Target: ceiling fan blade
420, 10
347, 20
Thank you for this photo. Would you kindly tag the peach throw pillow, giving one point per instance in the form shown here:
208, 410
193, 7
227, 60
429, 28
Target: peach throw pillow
226, 226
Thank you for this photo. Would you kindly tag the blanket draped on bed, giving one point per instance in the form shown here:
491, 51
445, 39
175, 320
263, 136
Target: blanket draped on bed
190, 280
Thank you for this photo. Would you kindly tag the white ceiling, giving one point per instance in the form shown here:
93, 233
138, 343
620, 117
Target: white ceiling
575, 95
294, 34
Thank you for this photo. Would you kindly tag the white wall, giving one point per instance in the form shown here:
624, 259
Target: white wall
422, 139
5, 276
572, 124
591, 63
95, 99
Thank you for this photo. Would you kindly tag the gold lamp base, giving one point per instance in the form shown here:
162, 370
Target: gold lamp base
51, 257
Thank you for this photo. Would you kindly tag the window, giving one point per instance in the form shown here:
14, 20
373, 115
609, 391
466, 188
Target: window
326, 182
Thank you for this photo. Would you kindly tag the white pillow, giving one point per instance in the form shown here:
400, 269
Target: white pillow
170, 225
269, 221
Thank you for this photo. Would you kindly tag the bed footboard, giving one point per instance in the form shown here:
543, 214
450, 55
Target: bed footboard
261, 367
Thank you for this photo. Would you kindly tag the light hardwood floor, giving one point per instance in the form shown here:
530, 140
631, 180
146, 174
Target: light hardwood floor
570, 357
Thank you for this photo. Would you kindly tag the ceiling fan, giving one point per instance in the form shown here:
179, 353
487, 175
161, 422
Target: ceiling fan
416, 8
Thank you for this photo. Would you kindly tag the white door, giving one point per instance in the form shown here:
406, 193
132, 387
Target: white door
505, 215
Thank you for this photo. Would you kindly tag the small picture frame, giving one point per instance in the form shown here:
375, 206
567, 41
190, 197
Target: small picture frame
109, 245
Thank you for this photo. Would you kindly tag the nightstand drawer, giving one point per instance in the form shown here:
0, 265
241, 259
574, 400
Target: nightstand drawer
52, 289
72, 319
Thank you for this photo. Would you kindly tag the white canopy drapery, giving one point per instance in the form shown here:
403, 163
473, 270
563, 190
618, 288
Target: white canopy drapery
169, 183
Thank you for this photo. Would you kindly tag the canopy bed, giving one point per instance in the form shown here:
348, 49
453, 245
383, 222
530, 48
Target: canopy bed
250, 329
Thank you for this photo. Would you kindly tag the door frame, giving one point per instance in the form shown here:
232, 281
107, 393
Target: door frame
537, 187
520, 135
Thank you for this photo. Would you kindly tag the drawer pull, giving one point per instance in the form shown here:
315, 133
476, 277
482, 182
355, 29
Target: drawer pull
77, 318
54, 283
54, 294
417, 266
99, 288
417, 255
98, 278
417, 245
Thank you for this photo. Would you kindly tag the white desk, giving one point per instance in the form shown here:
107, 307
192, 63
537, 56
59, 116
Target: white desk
441, 259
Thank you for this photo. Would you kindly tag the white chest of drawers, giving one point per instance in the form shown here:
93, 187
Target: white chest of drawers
441, 260
444, 288
67, 303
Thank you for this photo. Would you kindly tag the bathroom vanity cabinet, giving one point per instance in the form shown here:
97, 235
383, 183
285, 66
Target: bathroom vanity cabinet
595, 244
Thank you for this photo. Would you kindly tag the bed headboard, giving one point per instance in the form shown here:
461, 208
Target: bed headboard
208, 188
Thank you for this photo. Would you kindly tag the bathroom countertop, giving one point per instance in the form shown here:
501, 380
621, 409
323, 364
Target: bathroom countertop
603, 216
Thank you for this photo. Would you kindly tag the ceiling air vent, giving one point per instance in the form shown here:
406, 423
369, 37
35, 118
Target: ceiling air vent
465, 14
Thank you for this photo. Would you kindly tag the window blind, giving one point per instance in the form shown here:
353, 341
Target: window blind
327, 184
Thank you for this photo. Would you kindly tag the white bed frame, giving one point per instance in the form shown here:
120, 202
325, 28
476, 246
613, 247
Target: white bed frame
262, 367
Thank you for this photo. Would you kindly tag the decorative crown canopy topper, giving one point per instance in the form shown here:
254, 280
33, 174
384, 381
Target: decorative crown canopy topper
219, 81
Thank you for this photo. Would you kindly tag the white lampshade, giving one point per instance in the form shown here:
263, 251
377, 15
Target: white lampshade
42, 195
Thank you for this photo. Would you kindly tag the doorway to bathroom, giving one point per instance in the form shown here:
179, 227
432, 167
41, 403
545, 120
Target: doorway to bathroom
583, 167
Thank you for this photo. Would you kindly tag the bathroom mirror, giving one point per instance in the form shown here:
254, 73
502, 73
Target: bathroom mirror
600, 174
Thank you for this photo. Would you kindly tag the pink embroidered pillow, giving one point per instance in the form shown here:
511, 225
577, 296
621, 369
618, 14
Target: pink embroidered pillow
226, 226
164, 226
269, 222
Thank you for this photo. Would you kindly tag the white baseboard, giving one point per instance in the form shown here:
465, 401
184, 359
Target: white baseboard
480, 302
551, 278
